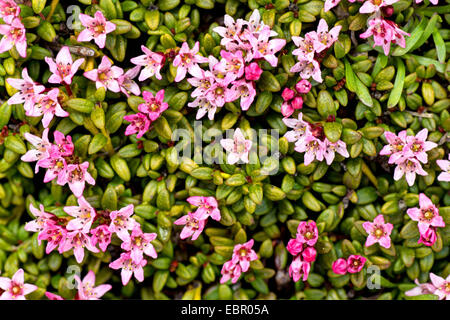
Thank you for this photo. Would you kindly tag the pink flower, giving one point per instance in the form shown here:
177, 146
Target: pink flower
329, 4
9, 10
153, 105
253, 72
287, 94
294, 246
56, 168
288, 107
355, 263
442, 286
28, 90
434, 2
102, 236
265, 48
126, 83
152, 63
303, 86
375, 5
15, 288
106, 75
305, 47
408, 167
77, 176
64, 68
219, 93
78, 240
205, 107
52, 296
325, 38
417, 146
244, 90
445, 167
121, 222
84, 215
230, 32
42, 151
395, 145
307, 232
86, 289
208, 207
231, 271
299, 268
243, 254
63, 145
308, 69
140, 243
14, 35
186, 59
309, 254
378, 231
232, 64
339, 147
301, 129
428, 238
427, 215
340, 266
384, 32
193, 227
255, 25
313, 148
96, 28
47, 105
139, 123
42, 218
424, 288
55, 236
129, 268
238, 147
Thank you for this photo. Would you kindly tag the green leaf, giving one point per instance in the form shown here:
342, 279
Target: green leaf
427, 32
363, 93
440, 46
349, 77
412, 40
396, 93
427, 61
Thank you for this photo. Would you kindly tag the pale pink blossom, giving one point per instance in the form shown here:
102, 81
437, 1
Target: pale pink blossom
106, 76
408, 167
442, 286
238, 148
97, 28
395, 145
152, 63
417, 146
202, 81
87, 289
42, 218
294, 246
121, 222
339, 266
27, 90
427, 215
47, 105
255, 25
378, 231
434, 2
140, 243
243, 254
307, 233
84, 215
232, 63
63, 69
56, 168
101, 236
207, 207
9, 10
384, 32
429, 237
355, 263
62, 145
193, 227
14, 34
219, 93
78, 241
77, 176
313, 148
308, 69
245, 91
299, 269
55, 236
331, 148
301, 128
41, 151
422, 288
265, 48
305, 47
231, 271
329, 4
186, 59
230, 32
127, 84
15, 288
253, 72
445, 167
129, 268
370, 6
325, 38
139, 123
153, 105
204, 107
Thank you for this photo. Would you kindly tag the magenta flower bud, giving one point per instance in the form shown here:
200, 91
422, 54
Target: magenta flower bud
428, 238
309, 254
253, 71
294, 247
297, 103
287, 94
340, 266
303, 86
387, 11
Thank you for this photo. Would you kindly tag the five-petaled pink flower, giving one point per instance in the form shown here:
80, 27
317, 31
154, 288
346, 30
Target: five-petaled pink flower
42, 148
121, 222
325, 38
96, 28
86, 289
355, 263
64, 68
9, 10
395, 145
14, 34
152, 63
442, 286
192, 226
307, 232
84, 215
299, 268
231, 271
42, 218
445, 167
238, 148
370, 6
27, 90
417, 146
15, 288
243, 254
378, 231
139, 123
384, 32
422, 288
47, 105
153, 105
207, 207
427, 215
106, 75
127, 84
78, 241
408, 167
340, 266
186, 60
102, 236
140, 243
77, 176
129, 268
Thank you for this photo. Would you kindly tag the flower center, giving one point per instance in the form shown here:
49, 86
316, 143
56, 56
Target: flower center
428, 214
16, 289
99, 29
378, 232
243, 252
309, 235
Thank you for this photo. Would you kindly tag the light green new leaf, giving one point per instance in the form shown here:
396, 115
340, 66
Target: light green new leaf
396, 92
440, 46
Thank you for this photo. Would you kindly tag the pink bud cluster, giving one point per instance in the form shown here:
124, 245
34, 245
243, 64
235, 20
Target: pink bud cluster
293, 100
310, 140
13, 31
195, 222
407, 152
353, 264
243, 254
428, 218
302, 248
311, 49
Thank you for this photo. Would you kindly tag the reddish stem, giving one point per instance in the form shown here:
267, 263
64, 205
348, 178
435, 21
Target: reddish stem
69, 91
